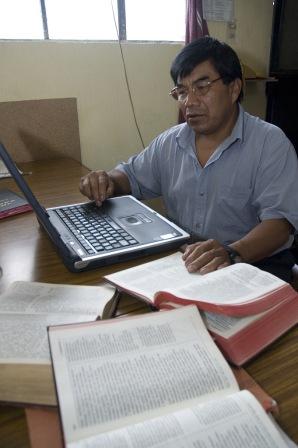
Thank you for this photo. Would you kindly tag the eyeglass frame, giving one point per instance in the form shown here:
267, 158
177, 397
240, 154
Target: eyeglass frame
194, 89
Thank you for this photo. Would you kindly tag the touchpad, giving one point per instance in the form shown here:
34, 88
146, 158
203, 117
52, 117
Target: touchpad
134, 220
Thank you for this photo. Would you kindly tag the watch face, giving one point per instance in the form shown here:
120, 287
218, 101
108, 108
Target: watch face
235, 258
233, 255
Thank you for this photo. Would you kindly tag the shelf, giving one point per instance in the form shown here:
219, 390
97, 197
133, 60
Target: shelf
261, 78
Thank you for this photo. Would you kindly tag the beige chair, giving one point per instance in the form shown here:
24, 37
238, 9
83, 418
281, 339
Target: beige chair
40, 129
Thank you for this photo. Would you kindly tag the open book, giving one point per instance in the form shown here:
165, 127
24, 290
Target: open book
28, 308
244, 307
155, 380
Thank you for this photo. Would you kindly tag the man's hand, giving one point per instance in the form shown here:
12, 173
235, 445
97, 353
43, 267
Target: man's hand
97, 186
205, 256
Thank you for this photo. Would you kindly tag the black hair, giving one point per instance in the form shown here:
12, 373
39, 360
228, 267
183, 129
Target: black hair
223, 58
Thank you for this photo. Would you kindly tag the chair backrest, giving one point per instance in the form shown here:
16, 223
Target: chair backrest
40, 129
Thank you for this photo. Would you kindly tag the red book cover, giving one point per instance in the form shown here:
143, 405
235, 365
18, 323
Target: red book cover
241, 341
258, 333
11, 203
261, 303
237, 290
245, 381
245, 309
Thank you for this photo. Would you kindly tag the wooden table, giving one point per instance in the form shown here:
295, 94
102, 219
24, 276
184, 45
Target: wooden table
26, 253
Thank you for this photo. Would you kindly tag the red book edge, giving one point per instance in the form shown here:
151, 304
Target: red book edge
251, 340
15, 211
246, 382
260, 304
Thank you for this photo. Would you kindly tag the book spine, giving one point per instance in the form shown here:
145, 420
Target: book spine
15, 211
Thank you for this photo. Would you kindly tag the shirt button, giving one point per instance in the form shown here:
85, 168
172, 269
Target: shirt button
202, 193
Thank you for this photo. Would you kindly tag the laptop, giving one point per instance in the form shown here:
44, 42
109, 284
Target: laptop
87, 236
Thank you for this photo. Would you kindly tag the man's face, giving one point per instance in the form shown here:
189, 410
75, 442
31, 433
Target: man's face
208, 113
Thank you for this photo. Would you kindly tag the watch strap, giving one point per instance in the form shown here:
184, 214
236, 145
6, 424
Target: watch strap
233, 254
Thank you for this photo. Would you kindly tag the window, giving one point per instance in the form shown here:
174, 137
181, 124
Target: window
20, 19
81, 19
93, 19
155, 19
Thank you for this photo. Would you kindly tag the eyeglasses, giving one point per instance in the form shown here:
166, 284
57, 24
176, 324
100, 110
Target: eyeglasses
199, 88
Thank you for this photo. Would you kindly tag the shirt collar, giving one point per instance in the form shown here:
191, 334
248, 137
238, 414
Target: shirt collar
186, 135
237, 132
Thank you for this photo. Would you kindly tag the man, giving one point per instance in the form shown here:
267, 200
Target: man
228, 178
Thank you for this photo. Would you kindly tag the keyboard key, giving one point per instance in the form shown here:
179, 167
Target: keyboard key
94, 230
123, 243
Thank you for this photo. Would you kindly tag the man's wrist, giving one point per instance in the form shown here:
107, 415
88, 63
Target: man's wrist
233, 254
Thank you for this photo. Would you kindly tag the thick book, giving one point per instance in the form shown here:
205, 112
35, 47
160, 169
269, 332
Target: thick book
12, 203
244, 307
155, 380
26, 310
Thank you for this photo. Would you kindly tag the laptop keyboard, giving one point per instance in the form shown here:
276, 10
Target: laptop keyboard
94, 229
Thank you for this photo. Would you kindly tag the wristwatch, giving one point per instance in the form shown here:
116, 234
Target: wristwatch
234, 256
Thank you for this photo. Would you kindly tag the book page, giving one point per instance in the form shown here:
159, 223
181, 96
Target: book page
24, 338
28, 308
239, 283
222, 324
34, 297
111, 374
3, 170
228, 326
231, 422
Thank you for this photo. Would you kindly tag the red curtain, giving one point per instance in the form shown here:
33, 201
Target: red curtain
196, 27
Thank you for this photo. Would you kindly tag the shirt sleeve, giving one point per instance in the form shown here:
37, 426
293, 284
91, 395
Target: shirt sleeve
143, 171
276, 187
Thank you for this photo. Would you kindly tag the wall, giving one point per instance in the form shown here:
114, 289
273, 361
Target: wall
93, 73
252, 42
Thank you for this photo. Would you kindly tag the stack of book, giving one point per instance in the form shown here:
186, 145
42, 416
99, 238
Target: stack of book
244, 308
